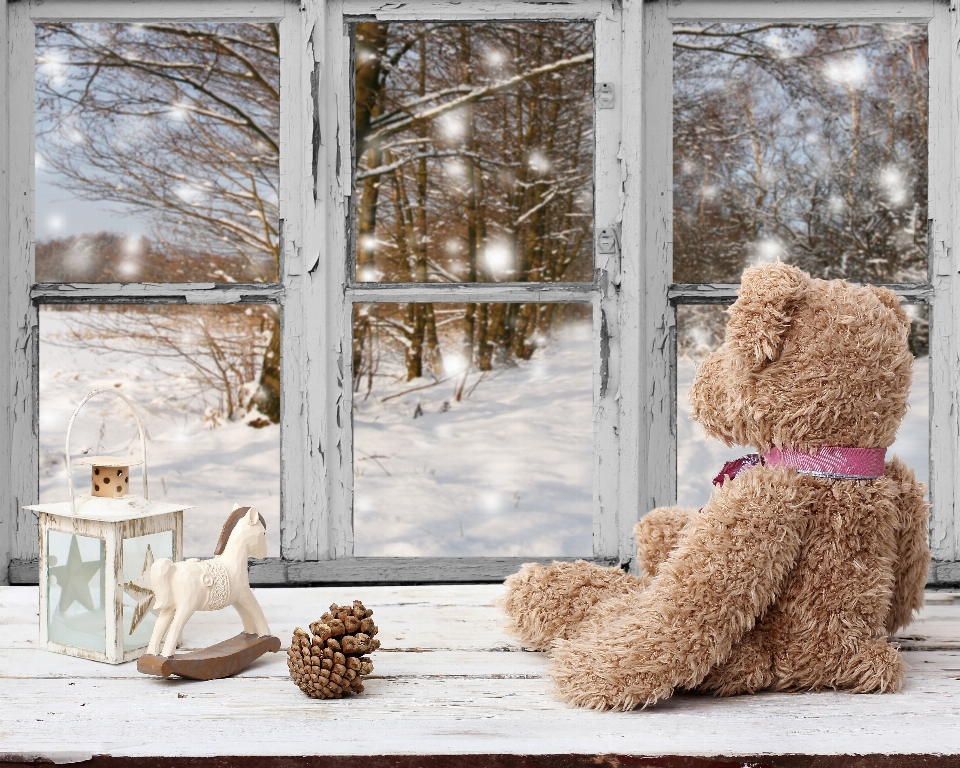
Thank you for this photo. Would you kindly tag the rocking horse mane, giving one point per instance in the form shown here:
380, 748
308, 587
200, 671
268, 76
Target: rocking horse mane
228, 527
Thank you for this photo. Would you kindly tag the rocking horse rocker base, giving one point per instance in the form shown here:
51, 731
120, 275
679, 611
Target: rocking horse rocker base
181, 589
221, 660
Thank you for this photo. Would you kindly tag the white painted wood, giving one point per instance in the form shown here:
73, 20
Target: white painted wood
465, 292
21, 314
454, 10
945, 309
608, 68
447, 680
112, 532
150, 10
313, 212
8, 501
901, 11
626, 325
156, 293
726, 293
658, 444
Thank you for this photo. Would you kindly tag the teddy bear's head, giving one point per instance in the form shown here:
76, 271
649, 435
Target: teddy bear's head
806, 363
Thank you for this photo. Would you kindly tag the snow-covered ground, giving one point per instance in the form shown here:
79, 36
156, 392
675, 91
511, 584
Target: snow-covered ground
188, 463
700, 459
508, 470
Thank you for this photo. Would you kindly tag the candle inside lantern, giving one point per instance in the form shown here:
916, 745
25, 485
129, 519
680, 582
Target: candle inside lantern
109, 475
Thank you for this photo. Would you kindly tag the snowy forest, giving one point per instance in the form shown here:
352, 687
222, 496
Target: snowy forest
157, 157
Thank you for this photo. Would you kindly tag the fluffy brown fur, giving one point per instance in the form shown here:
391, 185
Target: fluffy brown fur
784, 581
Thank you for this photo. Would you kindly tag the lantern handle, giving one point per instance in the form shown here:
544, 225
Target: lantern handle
143, 441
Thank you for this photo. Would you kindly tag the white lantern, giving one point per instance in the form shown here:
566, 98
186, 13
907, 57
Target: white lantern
95, 555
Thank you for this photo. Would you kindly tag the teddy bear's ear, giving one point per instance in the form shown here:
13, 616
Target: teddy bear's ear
763, 311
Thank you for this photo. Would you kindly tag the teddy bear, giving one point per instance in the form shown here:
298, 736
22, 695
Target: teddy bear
808, 554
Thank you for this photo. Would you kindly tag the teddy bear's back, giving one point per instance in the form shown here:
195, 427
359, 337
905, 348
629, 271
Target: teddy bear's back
827, 627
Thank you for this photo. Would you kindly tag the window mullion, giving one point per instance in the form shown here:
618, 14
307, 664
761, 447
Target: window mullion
655, 391
945, 313
19, 540
608, 341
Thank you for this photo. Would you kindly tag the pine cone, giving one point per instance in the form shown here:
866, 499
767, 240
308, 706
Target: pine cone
330, 660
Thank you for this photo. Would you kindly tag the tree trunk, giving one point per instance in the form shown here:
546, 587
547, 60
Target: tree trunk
267, 397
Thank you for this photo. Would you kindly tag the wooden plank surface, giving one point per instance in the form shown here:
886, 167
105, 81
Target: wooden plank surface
448, 680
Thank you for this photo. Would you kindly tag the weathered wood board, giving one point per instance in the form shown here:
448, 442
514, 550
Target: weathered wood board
448, 680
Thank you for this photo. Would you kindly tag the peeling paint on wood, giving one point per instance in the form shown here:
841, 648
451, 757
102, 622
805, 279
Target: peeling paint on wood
448, 681
945, 310
8, 499
632, 297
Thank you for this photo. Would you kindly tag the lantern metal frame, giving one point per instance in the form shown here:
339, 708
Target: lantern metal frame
112, 521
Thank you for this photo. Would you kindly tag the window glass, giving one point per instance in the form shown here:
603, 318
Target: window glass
460, 453
474, 152
802, 143
700, 330
198, 375
157, 149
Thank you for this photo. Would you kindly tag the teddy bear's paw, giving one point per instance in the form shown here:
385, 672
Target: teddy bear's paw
604, 679
546, 603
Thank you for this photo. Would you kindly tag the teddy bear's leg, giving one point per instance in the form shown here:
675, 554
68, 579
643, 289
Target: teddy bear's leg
725, 572
913, 551
548, 602
846, 660
657, 535
748, 670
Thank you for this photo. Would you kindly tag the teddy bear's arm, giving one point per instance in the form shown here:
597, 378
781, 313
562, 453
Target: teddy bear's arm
724, 573
913, 551
657, 534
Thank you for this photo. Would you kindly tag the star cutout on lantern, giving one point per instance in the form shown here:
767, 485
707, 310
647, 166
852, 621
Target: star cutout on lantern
140, 590
74, 579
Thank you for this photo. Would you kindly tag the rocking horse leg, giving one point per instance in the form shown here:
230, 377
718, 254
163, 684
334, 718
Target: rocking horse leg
254, 622
163, 623
173, 634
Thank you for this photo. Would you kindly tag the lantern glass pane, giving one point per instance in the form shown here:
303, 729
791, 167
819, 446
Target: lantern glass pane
157, 156
700, 330
75, 590
479, 441
138, 555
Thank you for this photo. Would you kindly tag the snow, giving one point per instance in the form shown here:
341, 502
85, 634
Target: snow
188, 463
506, 471
700, 459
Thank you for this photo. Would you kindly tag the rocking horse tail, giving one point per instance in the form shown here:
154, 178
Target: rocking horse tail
161, 574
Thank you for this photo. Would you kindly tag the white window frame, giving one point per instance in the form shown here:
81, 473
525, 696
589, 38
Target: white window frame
633, 300
941, 291
315, 293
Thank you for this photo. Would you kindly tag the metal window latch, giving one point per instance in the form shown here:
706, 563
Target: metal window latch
608, 240
608, 243
604, 95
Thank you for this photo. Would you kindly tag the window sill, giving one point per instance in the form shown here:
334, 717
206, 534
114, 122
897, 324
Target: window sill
448, 681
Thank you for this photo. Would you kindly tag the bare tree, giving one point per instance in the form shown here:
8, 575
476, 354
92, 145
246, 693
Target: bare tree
474, 163
180, 121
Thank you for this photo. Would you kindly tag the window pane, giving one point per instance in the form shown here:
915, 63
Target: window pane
198, 375
700, 330
474, 152
803, 143
157, 152
460, 453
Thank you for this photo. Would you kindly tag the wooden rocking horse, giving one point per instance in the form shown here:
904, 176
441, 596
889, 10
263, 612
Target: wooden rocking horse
182, 589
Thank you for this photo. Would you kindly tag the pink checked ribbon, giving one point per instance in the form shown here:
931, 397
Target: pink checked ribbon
829, 461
